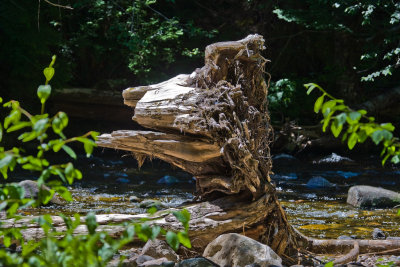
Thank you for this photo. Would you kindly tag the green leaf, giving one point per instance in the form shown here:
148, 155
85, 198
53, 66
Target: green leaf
328, 105
63, 192
69, 151
45, 195
318, 103
6, 161
354, 116
352, 141
13, 117
88, 146
40, 125
336, 128
341, 118
329, 264
379, 135
172, 240
155, 231
18, 126
48, 73
43, 92
388, 126
310, 87
7, 241
395, 159
183, 238
91, 223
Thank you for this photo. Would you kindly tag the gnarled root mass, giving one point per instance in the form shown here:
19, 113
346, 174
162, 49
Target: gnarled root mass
214, 124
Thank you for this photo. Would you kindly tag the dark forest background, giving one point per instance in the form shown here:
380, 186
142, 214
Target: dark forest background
351, 48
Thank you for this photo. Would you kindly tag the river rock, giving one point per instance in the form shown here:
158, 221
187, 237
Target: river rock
318, 182
196, 262
378, 234
168, 180
369, 197
134, 199
238, 250
148, 203
32, 190
154, 263
333, 158
159, 249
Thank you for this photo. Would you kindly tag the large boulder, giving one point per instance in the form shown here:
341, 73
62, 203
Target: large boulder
369, 197
31, 189
159, 249
238, 251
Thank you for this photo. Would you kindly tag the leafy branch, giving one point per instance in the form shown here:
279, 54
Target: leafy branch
359, 126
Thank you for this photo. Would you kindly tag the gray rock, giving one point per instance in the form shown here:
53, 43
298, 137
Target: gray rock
196, 262
319, 182
238, 250
333, 158
378, 234
134, 199
159, 249
153, 263
368, 197
168, 264
143, 258
32, 190
148, 203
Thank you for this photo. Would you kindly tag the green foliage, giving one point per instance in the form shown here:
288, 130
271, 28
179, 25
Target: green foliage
374, 24
96, 248
281, 93
358, 127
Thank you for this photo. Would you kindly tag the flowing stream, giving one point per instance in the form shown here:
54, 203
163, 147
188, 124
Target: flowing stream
112, 183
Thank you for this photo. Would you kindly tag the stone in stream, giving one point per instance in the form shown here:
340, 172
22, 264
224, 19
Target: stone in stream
134, 199
168, 180
159, 249
154, 263
197, 262
319, 182
238, 250
333, 158
32, 190
148, 203
369, 197
378, 234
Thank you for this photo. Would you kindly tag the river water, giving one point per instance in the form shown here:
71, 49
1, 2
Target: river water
111, 179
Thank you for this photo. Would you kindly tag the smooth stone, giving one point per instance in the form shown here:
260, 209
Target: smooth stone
143, 258
168, 180
123, 180
286, 176
196, 262
319, 183
168, 264
148, 203
159, 249
369, 197
31, 190
393, 238
134, 199
153, 263
284, 156
238, 250
378, 234
333, 158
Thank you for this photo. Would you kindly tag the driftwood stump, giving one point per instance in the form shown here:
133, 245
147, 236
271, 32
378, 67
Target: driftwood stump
214, 124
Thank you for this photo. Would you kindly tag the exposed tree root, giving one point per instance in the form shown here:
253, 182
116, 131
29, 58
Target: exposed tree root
215, 125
